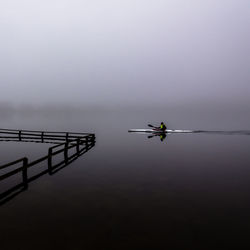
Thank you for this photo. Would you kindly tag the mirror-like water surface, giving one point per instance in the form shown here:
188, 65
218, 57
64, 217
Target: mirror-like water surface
189, 191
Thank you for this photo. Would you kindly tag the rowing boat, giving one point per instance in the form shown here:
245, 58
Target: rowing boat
160, 131
170, 131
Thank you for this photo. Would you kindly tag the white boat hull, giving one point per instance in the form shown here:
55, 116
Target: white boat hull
156, 131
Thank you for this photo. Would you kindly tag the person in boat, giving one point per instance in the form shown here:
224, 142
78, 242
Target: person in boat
163, 126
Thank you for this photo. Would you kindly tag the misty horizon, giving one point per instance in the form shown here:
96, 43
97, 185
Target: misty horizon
119, 70
124, 52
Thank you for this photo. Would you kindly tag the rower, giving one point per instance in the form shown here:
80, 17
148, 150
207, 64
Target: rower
163, 127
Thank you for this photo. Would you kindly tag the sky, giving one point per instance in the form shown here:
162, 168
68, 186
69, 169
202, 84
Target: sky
124, 52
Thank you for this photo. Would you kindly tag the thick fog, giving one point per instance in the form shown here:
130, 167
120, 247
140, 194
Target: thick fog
124, 52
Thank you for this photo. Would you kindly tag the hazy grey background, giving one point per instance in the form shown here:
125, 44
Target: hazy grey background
93, 66
117, 52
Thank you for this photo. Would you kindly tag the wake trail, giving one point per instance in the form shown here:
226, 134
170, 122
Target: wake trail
232, 132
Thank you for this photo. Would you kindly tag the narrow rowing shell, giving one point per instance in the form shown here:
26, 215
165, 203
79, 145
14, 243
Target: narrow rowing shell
157, 131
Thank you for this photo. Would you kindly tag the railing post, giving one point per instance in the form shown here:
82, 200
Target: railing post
42, 134
20, 138
92, 137
66, 152
78, 145
50, 160
87, 142
25, 172
67, 137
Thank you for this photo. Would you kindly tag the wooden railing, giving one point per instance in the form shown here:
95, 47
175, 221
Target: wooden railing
65, 141
40, 136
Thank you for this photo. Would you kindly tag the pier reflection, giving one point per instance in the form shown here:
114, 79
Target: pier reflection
68, 147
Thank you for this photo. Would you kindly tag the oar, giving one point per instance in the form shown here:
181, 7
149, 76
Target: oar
151, 136
156, 128
151, 126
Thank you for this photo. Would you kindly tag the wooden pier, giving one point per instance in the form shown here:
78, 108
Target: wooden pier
64, 141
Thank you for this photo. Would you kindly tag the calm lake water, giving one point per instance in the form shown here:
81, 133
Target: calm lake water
191, 191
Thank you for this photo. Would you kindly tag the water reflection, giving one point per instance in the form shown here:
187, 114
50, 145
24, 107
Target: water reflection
162, 136
65, 142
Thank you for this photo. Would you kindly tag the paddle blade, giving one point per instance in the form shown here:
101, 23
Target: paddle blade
151, 126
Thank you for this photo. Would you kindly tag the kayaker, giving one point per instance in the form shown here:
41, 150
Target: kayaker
163, 127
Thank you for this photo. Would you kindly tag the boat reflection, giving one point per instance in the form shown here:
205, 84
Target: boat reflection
162, 136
